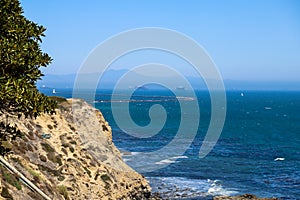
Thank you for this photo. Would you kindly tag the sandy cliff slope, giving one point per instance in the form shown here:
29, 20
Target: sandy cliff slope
78, 161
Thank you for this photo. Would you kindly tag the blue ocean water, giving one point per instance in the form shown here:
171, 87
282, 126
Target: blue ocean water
258, 151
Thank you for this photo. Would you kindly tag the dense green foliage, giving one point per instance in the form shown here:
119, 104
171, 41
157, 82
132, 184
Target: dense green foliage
20, 60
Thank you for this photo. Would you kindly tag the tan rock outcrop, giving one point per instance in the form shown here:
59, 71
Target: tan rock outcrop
78, 161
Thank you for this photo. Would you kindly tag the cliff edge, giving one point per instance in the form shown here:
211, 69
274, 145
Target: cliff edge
69, 155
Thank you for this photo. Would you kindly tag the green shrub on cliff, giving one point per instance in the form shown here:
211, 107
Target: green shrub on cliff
20, 60
63, 191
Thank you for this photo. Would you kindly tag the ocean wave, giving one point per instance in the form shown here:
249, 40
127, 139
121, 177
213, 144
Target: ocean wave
165, 161
179, 187
135, 153
129, 153
170, 160
216, 188
279, 159
178, 157
126, 159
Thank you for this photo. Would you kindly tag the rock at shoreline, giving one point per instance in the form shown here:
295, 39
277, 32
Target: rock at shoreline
242, 197
70, 155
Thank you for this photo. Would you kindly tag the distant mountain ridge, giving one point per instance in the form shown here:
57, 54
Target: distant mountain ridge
111, 77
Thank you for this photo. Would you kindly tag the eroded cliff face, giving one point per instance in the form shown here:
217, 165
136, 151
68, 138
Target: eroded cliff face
78, 161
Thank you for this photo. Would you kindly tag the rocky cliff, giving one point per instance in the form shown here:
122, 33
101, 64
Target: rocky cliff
69, 155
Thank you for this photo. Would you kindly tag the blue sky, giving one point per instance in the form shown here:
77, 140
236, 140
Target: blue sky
248, 40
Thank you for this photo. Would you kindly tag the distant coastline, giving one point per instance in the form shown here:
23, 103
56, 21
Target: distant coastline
108, 80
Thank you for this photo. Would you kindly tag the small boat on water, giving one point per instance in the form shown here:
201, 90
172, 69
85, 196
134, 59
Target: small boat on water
53, 91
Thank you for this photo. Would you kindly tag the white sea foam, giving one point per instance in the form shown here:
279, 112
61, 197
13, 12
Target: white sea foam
216, 188
165, 161
128, 153
135, 153
174, 187
170, 160
279, 159
177, 157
